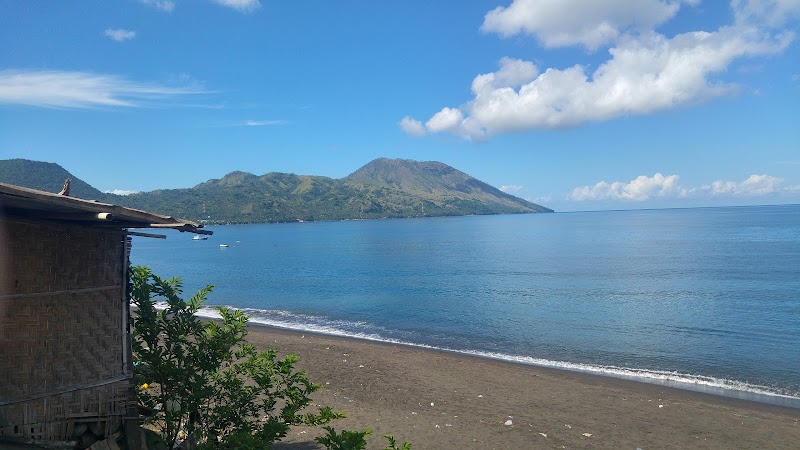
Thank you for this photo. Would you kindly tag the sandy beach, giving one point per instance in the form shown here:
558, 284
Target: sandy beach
440, 400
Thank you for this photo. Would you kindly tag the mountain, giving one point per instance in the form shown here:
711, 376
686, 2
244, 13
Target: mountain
45, 176
435, 181
383, 188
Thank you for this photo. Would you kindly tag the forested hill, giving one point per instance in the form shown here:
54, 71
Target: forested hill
383, 188
431, 179
45, 176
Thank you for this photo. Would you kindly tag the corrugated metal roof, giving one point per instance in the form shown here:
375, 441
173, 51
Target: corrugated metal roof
33, 204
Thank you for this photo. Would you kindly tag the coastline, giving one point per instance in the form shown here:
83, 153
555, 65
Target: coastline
724, 387
439, 399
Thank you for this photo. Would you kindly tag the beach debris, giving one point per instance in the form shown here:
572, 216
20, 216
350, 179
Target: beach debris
413, 413
431, 403
448, 424
543, 434
327, 348
344, 360
587, 434
437, 426
345, 354
508, 423
568, 426
360, 365
660, 406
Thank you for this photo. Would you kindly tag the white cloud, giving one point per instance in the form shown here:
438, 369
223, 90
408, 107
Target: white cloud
121, 192
412, 127
643, 188
769, 13
755, 185
640, 188
265, 123
645, 72
558, 23
513, 73
511, 188
163, 5
448, 119
245, 6
644, 75
120, 34
62, 89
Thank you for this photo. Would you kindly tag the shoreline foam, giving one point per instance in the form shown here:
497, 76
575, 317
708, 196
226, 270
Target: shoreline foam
444, 400
695, 383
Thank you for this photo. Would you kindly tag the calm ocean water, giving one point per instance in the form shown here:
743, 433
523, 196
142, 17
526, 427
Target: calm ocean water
705, 299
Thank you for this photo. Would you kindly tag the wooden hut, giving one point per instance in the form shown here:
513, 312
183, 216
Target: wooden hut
65, 356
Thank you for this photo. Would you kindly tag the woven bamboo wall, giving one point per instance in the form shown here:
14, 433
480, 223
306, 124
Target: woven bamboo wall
63, 319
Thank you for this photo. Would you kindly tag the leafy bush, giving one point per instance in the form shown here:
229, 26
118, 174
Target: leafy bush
354, 440
207, 382
346, 440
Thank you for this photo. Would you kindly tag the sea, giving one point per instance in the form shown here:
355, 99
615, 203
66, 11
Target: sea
705, 299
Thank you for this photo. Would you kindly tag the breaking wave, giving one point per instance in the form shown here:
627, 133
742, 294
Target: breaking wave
363, 330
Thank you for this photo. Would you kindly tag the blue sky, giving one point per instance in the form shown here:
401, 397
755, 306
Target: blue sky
572, 104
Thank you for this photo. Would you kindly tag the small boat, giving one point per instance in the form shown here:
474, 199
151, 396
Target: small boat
223, 245
200, 237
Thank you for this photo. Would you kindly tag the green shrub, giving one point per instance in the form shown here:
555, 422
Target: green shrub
346, 440
209, 383
354, 440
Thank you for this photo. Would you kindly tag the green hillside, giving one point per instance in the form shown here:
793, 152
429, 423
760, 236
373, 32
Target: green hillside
383, 188
45, 176
436, 181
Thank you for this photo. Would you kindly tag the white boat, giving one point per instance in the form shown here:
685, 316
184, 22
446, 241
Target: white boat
223, 245
200, 237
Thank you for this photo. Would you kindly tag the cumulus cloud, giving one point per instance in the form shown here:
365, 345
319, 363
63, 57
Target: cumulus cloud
755, 185
120, 192
645, 72
559, 23
640, 188
448, 119
120, 34
643, 188
511, 188
412, 127
163, 5
245, 6
62, 89
644, 75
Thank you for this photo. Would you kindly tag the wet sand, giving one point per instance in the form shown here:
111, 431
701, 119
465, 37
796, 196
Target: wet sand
441, 400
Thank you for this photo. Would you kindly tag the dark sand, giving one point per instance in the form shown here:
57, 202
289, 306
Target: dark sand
440, 400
